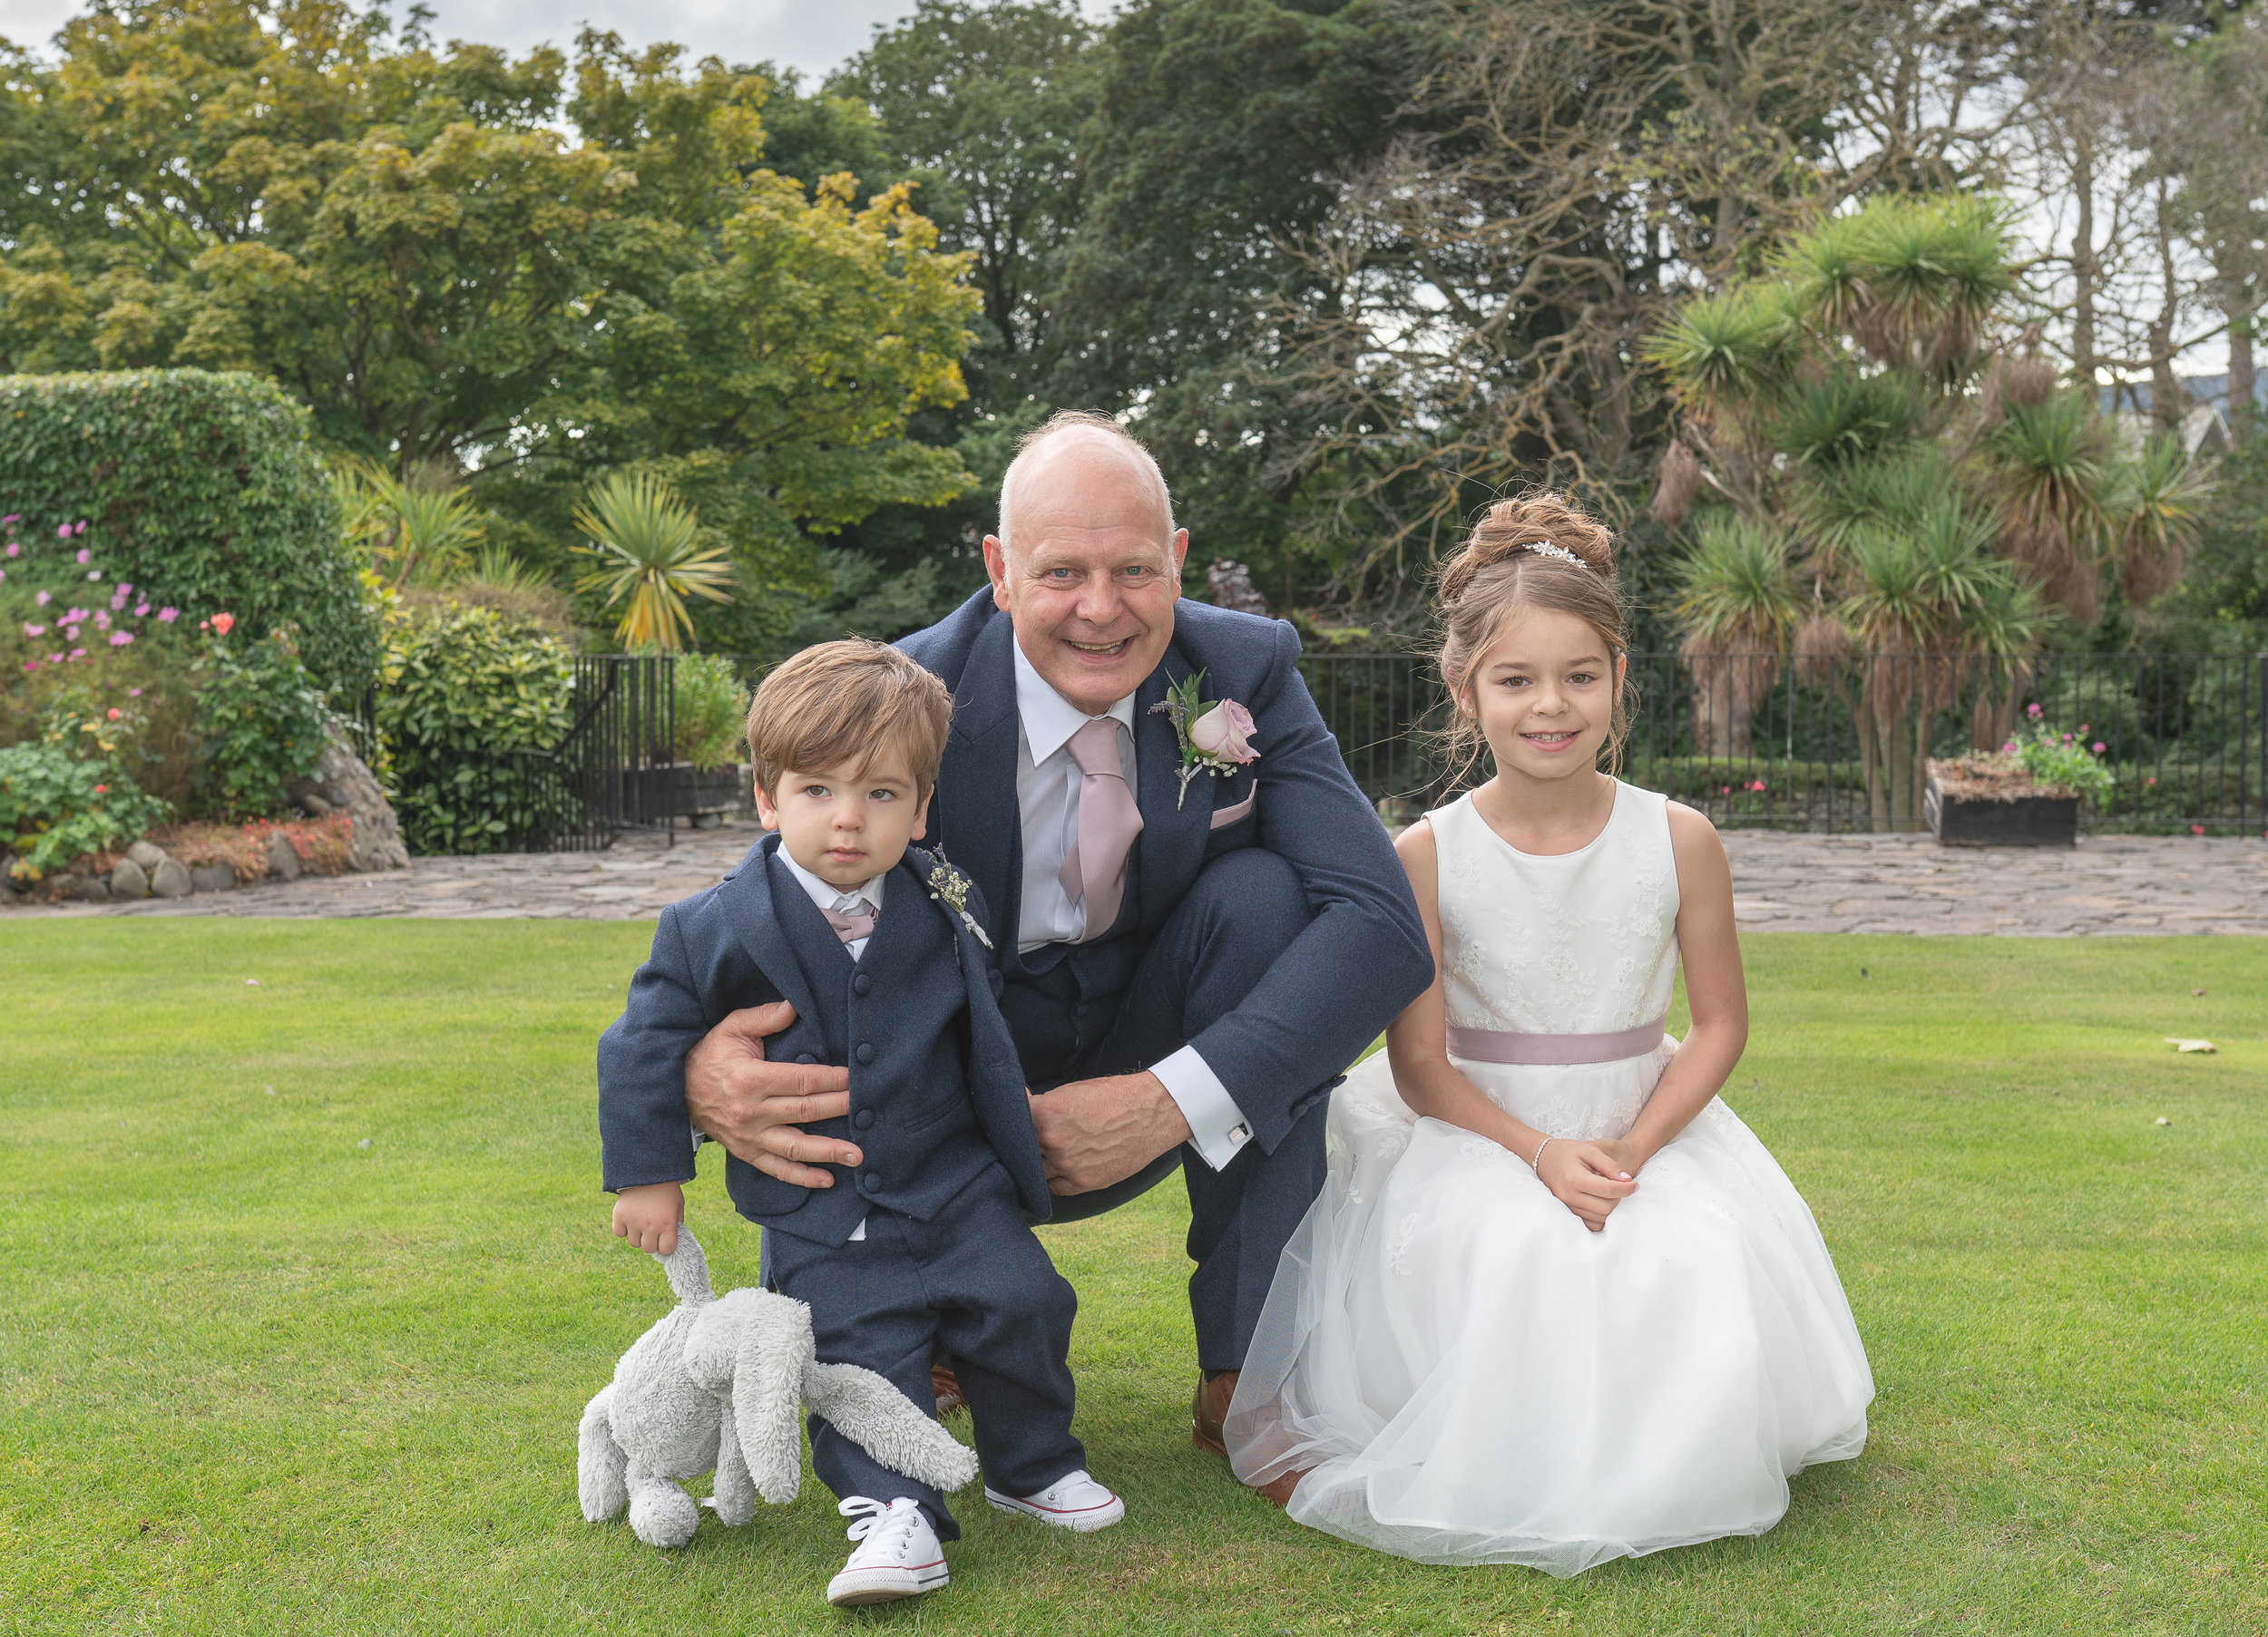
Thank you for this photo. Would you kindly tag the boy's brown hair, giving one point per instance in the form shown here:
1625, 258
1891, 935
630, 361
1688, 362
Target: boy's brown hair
837, 700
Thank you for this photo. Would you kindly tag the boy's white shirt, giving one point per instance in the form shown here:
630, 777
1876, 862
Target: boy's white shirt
827, 895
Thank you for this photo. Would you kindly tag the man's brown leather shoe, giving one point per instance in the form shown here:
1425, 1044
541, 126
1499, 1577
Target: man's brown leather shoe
947, 1385
1207, 1407
1207, 1410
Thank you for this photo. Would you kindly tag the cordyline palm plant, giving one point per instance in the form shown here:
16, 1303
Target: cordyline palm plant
2047, 469
1737, 605
1925, 605
648, 542
418, 528
2158, 505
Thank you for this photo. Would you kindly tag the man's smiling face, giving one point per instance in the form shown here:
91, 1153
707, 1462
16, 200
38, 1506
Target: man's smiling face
1092, 574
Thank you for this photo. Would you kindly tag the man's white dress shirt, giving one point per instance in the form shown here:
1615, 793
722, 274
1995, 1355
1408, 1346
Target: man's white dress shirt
1048, 783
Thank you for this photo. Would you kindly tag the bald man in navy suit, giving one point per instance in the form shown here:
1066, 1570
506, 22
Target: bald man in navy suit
1190, 965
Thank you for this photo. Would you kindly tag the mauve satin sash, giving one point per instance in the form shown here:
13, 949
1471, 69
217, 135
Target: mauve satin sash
1507, 1045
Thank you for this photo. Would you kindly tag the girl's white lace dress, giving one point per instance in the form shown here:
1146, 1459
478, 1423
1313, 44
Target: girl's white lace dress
1465, 1371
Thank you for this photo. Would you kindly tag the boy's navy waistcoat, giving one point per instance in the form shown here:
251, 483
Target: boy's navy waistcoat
936, 1093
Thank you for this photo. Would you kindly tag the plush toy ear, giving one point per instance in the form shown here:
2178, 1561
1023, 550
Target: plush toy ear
868, 1409
775, 1344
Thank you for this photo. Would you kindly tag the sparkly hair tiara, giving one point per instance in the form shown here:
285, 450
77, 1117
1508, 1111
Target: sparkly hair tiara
1546, 548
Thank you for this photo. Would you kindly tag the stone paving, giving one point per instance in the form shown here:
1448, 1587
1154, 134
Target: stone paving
1782, 883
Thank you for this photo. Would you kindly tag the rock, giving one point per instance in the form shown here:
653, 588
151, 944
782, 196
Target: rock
376, 841
171, 879
92, 887
130, 880
212, 877
283, 863
148, 855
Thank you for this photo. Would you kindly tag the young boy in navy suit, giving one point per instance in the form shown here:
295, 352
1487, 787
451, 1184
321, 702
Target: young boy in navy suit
923, 1248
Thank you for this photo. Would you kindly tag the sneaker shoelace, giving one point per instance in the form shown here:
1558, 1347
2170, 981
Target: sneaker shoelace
879, 1526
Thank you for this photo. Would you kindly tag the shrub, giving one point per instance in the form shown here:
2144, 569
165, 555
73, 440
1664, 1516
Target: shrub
260, 724
66, 795
465, 688
207, 494
709, 710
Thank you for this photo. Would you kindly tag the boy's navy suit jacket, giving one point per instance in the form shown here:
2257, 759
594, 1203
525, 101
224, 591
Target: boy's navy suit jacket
936, 1093
1330, 991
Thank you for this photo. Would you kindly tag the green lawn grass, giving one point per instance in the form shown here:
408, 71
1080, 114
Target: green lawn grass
257, 1376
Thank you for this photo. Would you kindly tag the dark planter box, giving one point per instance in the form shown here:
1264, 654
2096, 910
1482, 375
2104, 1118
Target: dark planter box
2028, 821
680, 789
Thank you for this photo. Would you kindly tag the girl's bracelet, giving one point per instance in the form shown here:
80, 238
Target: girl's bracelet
1536, 1165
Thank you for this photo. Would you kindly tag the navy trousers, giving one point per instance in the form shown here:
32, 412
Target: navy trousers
974, 1284
1244, 909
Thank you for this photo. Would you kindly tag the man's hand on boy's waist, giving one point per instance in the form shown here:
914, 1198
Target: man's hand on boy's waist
754, 1107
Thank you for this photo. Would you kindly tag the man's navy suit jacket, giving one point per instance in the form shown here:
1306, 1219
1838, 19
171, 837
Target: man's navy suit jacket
1359, 961
936, 1093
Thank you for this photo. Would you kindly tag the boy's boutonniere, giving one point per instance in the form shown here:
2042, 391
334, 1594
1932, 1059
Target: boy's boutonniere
950, 888
1216, 739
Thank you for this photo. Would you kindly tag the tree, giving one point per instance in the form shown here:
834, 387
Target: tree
982, 104
404, 238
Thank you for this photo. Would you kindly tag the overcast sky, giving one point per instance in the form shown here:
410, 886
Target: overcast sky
813, 36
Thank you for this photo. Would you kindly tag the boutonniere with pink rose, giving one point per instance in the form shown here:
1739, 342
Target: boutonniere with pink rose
1216, 736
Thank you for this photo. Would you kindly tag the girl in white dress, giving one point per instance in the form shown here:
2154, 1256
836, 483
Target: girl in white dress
1556, 1303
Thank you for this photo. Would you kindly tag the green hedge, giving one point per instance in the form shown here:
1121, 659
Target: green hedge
203, 490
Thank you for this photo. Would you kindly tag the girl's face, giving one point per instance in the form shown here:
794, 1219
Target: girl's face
1543, 693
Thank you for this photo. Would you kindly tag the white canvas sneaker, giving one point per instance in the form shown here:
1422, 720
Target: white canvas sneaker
897, 1553
1074, 1501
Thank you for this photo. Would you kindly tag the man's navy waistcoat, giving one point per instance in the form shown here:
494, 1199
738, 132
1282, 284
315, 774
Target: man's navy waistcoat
936, 1093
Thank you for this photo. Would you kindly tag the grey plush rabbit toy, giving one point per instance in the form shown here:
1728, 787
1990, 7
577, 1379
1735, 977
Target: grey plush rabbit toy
718, 1383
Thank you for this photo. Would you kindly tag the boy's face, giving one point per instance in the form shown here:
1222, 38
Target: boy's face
843, 823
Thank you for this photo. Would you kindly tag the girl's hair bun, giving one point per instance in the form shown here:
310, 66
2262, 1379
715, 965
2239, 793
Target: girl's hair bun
1511, 526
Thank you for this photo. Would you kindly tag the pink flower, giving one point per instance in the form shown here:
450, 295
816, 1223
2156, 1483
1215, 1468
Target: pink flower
54, 658
63, 530
71, 633
125, 588
2196, 829
142, 610
111, 715
14, 548
84, 554
42, 599
168, 616
120, 639
73, 615
2034, 712
35, 631
117, 603
133, 693
2098, 747
2008, 749
2082, 727
1226, 732
80, 528
102, 620
31, 665
223, 622
101, 790
78, 653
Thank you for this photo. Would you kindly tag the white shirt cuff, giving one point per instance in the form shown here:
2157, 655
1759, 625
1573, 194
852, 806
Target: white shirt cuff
1217, 1128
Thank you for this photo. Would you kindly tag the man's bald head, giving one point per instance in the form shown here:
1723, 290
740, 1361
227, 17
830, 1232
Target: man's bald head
1078, 451
1096, 568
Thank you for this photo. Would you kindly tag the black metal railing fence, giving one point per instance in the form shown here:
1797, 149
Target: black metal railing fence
1836, 744
1842, 743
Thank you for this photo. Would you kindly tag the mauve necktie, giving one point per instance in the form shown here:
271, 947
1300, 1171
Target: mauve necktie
1108, 821
851, 927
